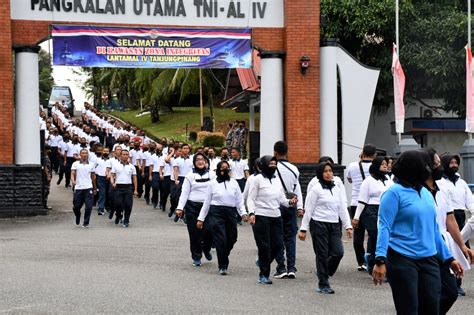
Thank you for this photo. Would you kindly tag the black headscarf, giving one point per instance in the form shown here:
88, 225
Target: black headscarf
256, 170
222, 176
319, 174
200, 171
411, 169
375, 171
450, 172
326, 159
265, 168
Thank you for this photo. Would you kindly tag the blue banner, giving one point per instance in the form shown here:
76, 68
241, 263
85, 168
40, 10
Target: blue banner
112, 47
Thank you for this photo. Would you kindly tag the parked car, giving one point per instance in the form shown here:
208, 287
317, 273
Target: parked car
61, 95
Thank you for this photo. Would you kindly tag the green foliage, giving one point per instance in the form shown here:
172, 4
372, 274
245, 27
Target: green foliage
214, 140
46, 80
432, 39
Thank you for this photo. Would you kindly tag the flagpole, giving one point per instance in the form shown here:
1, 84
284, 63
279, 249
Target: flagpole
397, 41
468, 37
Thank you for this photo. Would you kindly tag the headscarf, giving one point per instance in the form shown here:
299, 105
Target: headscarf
326, 159
222, 176
200, 171
374, 168
256, 170
411, 169
450, 172
265, 168
319, 174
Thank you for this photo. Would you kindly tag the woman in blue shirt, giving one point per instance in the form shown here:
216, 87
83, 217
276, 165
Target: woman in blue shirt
409, 243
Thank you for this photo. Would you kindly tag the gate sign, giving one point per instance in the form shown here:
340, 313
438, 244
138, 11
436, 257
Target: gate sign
192, 13
112, 47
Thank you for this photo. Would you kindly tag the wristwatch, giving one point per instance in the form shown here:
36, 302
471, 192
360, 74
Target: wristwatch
380, 260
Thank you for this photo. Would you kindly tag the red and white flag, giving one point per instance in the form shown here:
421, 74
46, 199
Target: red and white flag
398, 91
469, 91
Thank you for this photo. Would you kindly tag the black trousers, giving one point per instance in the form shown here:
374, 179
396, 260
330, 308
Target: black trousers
268, 234
55, 159
139, 182
369, 219
223, 225
358, 239
175, 193
200, 241
460, 216
449, 291
165, 188
81, 197
67, 170
110, 200
327, 246
155, 187
290, 229
147, 183
123, 201
415, 283
62, 169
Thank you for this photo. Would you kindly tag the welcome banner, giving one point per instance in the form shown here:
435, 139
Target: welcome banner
112, 47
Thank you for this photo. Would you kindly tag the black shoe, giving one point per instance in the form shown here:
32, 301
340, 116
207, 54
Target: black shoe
222, 271
461, 292
117, 220
291, 275
78, 219
280, 274
147, 200
176, 218
58, 182
208, 256
170, 214
100, 213
111, 215
325, 290
125, 225
85, 225
155, 205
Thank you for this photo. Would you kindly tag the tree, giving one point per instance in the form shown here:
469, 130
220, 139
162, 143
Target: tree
433, 34
46, 80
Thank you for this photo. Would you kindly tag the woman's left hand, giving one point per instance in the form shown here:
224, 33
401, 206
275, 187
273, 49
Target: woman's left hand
349, 233
456, 267
378, 274
293, 201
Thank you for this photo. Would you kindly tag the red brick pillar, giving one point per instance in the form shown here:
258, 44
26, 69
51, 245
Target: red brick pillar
6, 90
302, 91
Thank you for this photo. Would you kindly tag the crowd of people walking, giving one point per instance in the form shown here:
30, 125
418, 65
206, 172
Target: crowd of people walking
412, 208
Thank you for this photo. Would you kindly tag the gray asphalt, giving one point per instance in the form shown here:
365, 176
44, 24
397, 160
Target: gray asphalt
48, 265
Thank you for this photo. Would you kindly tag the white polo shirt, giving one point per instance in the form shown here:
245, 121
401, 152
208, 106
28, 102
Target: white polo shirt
147, 157
135, 155
238, 168
72, 149
185, 166
166, 166
83, 174
100, 166
54, 141
155, 161
353, 172
123, 173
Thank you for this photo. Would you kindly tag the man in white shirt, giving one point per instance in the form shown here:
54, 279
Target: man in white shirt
54, 141
213, 159
146, 163
288, 175
356, 173
83, 180
182, 165
100, 170
166, 171
239, 168
124, 181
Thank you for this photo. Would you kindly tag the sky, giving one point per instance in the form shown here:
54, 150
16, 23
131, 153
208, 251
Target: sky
65, 76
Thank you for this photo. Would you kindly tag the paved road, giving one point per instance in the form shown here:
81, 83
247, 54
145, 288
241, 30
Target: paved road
48, 265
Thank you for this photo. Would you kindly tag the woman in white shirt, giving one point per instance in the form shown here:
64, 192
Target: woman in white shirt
223, 201
323, 209
367, 210
264, 199
193, 194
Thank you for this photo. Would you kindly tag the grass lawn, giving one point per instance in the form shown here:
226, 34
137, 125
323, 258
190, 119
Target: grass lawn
173, 125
